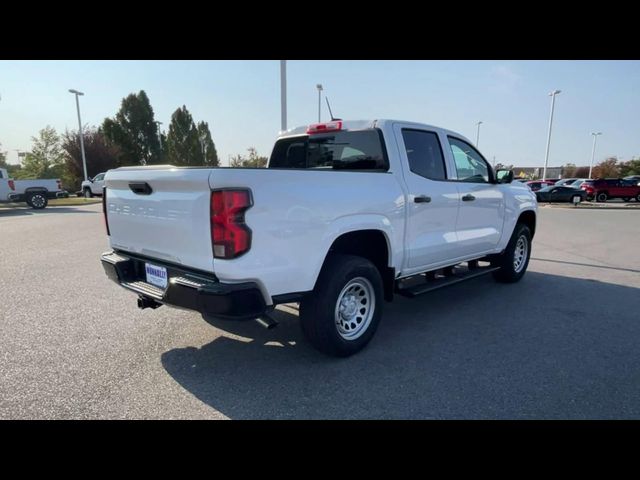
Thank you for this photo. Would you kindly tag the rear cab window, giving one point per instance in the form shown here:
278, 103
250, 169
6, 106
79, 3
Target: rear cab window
343, 150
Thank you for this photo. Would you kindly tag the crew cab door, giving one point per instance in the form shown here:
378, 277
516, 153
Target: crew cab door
97, 184
482, 204
432, 201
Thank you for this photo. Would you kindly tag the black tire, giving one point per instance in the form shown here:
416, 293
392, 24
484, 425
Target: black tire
319, 310
638, 198
602, 197
87, 193
508, 272
626, 199
37, 200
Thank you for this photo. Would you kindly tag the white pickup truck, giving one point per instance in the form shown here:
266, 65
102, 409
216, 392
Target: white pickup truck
346, 215
93, 186
35, 193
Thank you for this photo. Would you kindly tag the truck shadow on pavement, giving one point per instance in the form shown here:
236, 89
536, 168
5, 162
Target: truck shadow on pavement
547, 347
27, 211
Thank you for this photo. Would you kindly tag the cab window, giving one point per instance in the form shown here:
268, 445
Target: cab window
470, 165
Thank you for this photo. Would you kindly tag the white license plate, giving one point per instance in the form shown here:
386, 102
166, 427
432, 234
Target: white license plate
156, 275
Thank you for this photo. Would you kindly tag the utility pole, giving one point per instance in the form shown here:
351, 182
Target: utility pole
283, 95
546, 156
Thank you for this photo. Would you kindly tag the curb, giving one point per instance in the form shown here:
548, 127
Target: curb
591, 207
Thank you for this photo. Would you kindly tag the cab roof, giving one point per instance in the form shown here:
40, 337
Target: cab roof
376, 123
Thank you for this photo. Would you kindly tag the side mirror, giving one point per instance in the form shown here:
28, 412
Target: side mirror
504, 176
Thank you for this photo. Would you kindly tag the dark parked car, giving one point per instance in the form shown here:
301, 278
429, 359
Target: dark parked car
554, 193
603, 189
536, 185
633, 178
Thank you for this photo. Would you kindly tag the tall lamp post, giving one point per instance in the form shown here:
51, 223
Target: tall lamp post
203, 146
84, 160
478, 134
283, 95
159, 133
593, 150
319, 87
546, 155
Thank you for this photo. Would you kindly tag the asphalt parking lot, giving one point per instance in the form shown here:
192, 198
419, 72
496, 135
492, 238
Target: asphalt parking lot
562, 343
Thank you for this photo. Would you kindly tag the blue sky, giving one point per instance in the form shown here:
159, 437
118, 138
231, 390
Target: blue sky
241, 100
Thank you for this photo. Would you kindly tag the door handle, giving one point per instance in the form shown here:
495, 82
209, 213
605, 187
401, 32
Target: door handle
422, 199
468, 198
140, 188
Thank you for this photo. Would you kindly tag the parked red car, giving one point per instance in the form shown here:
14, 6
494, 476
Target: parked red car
536, 185
603, 189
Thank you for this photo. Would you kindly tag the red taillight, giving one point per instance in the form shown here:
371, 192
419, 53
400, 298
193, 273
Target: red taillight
104, 209
12, 185
230, 236
324, 127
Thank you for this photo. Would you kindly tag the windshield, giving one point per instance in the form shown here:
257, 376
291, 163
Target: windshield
347, 150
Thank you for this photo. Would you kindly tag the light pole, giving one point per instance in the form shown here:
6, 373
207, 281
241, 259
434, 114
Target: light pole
283, 95
319, 87
159, 134
203, 146
546, 155
84, 160
478, 133
593, 150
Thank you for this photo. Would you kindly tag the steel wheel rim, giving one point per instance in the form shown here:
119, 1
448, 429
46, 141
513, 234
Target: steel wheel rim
355, 308
37, 200
520, 254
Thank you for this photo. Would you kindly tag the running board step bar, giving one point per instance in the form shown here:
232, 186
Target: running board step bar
432, 282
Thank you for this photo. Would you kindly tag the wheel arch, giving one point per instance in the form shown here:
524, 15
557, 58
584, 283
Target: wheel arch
528, 217
370, 243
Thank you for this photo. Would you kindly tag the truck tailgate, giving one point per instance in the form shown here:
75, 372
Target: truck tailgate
161, 213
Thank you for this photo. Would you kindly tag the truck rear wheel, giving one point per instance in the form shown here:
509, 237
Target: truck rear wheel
514, 260
37, 200
341, 315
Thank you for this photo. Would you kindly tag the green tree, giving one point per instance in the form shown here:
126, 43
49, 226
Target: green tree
608, 168
253, 160
209, 153
46, 157
631, 167
183, 142
99, 153
134, 131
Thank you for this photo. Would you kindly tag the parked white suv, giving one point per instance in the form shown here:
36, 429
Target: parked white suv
346, 215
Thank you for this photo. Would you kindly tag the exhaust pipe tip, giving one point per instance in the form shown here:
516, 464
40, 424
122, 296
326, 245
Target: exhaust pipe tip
267, 322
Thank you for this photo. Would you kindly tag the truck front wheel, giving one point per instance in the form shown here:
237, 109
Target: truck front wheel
341, 315
88, 193
514, 260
